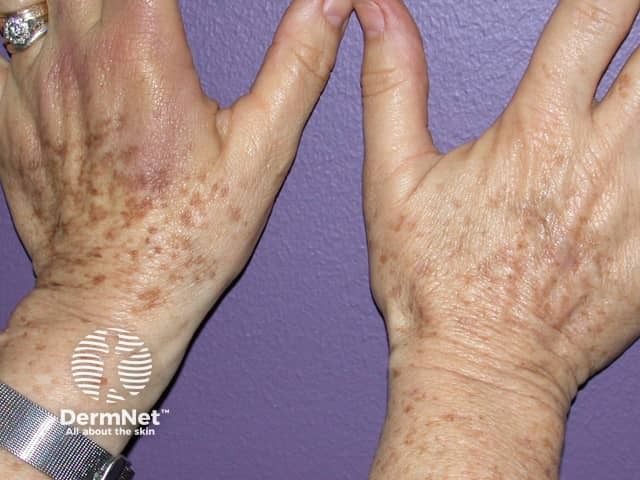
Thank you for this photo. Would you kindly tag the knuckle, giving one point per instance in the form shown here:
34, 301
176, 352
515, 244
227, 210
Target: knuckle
536, 126
597, 16
25, 157
626, 90
378, 82
309, 60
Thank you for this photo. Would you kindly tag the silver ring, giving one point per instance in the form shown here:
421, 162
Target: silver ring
23, 28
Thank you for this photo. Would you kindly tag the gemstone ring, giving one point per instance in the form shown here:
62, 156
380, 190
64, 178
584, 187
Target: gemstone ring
21, 29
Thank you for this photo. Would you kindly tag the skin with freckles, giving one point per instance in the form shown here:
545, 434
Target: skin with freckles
138, 198
508, 269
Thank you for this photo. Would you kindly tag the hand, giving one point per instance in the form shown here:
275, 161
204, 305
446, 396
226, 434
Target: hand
508, 269
137, 197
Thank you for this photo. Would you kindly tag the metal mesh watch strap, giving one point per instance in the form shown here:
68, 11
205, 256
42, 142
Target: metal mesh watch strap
35, 435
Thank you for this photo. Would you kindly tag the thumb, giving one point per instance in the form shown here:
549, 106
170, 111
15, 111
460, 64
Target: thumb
399, 148
295, 72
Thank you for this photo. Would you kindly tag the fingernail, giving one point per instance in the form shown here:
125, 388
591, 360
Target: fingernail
337, 12
371, 18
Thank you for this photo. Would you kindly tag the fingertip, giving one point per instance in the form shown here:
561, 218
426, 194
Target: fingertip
337, 12
391, 31
371, 18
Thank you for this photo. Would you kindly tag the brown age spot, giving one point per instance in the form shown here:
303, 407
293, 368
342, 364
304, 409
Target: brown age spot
182, 242
158, 250
398, 225
396, 291
408, 408
383, 259
235, 214
39, 214
417, 394
494, 202
196, 202
92, 189
186, 218
152, 230
41, 348
623, 85
99, 279
102, 129
151, 298
97, 213
195, 261
57, 147
136, 210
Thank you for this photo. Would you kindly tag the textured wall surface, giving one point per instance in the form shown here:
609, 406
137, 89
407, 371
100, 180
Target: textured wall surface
287, 379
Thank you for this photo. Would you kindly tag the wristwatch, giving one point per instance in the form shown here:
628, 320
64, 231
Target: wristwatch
37, 437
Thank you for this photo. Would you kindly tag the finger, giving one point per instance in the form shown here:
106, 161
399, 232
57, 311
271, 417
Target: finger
9, 7
158, 17
620, 108
149, 29
78, 16
395, 89
575, 50
294, 74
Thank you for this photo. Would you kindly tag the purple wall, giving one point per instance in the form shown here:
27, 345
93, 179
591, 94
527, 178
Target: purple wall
287, 379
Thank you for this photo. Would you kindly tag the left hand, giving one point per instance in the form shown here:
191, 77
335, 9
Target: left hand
138, 199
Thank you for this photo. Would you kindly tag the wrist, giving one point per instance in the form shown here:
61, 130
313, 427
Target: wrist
161, 305
36, 353
457, 413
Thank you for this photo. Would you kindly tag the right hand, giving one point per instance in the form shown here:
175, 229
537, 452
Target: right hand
508, 270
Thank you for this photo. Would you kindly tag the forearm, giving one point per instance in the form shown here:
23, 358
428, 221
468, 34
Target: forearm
36, 353
445, 421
